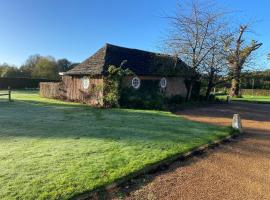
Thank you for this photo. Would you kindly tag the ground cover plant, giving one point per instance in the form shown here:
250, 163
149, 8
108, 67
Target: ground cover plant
56, 150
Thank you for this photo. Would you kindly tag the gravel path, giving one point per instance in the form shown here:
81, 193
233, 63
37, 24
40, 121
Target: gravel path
236, 170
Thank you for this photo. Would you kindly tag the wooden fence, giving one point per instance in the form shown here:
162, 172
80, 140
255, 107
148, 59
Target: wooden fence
8, 93
49, 90
251, 92
255, 92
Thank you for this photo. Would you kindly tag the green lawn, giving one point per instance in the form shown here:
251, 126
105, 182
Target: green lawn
55, 150
249, 99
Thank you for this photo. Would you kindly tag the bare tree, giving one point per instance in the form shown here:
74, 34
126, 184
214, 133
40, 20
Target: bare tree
190, 37
238, 55
214, 65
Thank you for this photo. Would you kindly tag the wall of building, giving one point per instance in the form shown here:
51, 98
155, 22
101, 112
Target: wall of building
74, 90
71, 88
175, 85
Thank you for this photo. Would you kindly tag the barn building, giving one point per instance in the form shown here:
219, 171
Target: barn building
85, 82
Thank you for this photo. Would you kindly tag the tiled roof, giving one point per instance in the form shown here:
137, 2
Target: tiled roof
138, 61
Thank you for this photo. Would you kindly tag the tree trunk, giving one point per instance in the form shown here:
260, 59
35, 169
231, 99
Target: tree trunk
208, 91
235, 87
209, 86
189, 92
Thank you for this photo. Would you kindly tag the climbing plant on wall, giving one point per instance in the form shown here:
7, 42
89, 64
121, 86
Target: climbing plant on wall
112, 85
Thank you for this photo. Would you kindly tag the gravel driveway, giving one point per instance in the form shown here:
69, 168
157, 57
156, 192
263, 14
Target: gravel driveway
236, 170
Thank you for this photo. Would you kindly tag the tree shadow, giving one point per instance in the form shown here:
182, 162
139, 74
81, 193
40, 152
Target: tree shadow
139, 130
57, 120
29, 118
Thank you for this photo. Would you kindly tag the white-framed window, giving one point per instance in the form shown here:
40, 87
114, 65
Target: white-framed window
85, 82
136, 82
163, 82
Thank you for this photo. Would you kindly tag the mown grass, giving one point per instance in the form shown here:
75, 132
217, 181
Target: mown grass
56, 150
248, 99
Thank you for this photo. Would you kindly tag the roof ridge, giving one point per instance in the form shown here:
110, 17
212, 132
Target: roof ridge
107, 45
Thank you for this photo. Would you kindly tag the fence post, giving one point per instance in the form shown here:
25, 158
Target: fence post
9, 93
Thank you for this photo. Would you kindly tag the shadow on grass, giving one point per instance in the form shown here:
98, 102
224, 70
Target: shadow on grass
30, 118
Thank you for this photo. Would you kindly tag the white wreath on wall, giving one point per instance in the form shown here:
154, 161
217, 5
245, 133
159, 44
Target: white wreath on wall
163, 82
136, 82
85, 82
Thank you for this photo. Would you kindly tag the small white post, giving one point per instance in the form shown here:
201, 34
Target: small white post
236, 123
229, 99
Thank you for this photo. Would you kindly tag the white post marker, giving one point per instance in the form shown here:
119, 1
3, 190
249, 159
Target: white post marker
229, 99
236, 123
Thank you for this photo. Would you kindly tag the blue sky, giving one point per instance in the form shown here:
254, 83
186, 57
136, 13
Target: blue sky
75, 29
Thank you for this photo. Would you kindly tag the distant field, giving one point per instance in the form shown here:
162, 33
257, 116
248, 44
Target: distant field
55, 150
249, 98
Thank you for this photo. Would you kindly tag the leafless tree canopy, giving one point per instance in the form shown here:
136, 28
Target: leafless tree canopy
238, 53
196, 36
202, 37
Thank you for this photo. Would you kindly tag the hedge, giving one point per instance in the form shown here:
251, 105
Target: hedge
21, 83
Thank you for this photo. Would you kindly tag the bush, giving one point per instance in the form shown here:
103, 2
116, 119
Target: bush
212, 98
175, 100
148, 96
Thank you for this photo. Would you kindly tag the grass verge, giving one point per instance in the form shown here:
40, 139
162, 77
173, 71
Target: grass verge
248, 99
51, 149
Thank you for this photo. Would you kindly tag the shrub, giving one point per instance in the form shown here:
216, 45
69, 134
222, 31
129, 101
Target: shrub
148, 96
212, 98
175, 100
